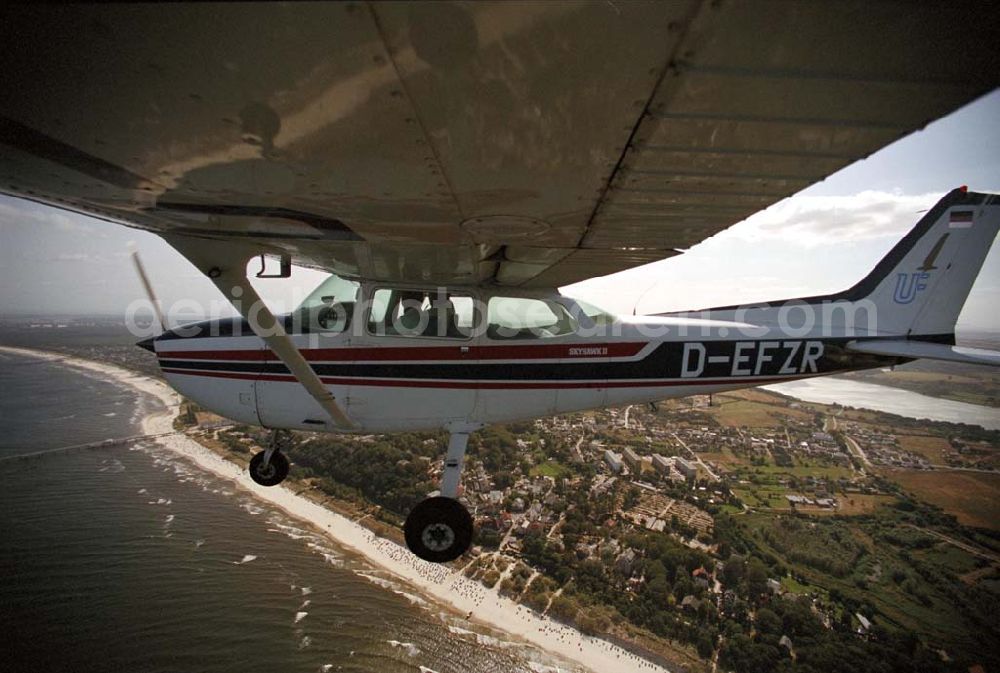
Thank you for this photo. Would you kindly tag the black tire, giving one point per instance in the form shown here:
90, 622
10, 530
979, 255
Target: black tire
438, 529
275, 472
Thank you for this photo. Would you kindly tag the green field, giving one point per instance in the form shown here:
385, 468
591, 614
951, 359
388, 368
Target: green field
551, 468
907, 579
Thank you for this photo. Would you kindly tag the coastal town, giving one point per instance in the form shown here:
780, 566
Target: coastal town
679, 530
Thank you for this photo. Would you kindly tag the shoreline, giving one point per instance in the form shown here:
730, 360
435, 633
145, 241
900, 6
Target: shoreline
441, 584
891, 400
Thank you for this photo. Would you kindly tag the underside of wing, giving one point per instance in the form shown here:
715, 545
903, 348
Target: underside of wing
922, 349
520, 144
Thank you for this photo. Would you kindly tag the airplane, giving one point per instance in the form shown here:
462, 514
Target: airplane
452, 165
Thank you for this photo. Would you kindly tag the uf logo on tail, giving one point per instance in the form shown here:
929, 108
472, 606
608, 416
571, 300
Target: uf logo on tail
908, 285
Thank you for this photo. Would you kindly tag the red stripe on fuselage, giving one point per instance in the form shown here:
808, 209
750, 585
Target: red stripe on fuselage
501, 385
424, 353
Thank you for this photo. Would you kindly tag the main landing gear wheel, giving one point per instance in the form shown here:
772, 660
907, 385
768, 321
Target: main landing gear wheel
269, 473
438, 529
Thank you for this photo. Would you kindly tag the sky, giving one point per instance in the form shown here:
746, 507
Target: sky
823, 239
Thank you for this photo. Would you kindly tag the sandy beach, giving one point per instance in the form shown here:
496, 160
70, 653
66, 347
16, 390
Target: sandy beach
437, 583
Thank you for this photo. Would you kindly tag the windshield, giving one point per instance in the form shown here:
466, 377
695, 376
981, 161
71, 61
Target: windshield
333, 289
328, 307
597, 314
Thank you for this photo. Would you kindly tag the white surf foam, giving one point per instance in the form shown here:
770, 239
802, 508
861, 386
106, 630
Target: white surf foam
411, 649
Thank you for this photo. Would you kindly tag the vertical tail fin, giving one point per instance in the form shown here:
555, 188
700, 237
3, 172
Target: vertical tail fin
919, 288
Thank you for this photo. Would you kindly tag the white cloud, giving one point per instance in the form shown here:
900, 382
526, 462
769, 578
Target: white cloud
813, 221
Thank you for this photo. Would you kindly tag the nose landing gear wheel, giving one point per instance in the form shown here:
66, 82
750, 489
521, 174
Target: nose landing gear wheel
271, 474
438, 529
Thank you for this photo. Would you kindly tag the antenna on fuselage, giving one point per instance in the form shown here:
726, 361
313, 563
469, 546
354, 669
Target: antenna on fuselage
635, 307
148, 287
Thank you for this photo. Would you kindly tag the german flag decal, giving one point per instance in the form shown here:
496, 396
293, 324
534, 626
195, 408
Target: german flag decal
960, 219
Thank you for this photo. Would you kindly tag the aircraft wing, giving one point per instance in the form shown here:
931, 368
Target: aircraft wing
512, 143
904, 348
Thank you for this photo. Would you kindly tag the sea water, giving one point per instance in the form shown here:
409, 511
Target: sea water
130, 559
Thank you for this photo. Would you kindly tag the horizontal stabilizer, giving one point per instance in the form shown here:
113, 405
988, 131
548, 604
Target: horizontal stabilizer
923, 349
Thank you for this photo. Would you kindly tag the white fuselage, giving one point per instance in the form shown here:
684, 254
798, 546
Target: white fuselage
395, 383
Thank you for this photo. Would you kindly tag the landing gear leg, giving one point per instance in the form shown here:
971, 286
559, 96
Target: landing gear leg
439, 529
270, 466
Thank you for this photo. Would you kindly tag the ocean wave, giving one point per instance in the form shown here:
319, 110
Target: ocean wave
413, 598
481, 638
113, 466
299, 616
379, 581
411, 649
245, 559
305, 642
293, 532
542, 668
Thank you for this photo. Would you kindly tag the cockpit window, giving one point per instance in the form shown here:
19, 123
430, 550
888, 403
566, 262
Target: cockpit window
527, 318
421, 313
328, 308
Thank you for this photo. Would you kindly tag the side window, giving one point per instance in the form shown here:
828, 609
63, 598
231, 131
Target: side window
525, 318
421, 313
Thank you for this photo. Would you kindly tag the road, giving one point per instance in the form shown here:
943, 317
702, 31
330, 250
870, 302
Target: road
696, 458
975, 551
857, 450
949, 468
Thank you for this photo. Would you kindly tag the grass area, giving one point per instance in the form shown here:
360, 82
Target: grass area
806, 470
724, 457
973, 497
861, 503
551, 468
763, 496
740, 413
930, 447
838, 554
793, 586
952, 558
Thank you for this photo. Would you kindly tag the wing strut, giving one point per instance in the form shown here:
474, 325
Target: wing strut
268, 328
225, 264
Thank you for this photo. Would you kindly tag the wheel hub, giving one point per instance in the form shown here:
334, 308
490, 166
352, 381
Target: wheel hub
438, 536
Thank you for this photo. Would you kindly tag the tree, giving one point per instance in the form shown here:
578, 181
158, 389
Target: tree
756, 577
768, 622
733, 572
563, 608
705, 644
